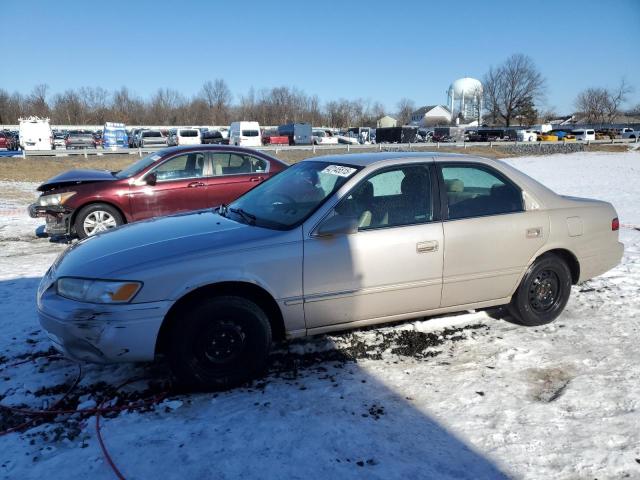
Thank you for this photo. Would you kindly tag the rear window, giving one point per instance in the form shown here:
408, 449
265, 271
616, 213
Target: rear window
250, 133
151, 134
81, 135
578, 132
188, 133
591, 132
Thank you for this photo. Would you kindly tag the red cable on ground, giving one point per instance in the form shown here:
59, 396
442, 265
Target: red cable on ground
42, 412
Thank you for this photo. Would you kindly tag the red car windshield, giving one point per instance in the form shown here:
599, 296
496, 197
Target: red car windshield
138, 166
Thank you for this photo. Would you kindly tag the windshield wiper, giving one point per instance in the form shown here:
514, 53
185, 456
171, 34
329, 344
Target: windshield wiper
222, 210
247, 217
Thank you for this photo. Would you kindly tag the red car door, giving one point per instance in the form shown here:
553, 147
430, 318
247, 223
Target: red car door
180, 185
233, 174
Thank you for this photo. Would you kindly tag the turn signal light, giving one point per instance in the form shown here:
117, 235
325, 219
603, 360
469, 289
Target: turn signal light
615, 224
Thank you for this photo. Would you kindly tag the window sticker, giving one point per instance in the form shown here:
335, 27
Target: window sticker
339, 170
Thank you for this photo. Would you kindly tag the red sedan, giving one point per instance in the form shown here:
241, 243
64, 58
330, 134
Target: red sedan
86, 202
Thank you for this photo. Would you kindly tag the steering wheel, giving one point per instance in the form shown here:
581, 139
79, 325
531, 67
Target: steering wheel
285, 203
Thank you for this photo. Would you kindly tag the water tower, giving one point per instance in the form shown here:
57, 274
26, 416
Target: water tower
465, 97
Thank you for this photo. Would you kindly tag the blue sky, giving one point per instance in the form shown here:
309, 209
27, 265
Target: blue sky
373, 50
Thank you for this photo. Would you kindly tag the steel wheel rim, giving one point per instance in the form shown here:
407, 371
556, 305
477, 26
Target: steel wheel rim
98, 221
222, 344
544, 291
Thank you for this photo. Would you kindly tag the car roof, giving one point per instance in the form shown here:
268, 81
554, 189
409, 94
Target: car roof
366, 159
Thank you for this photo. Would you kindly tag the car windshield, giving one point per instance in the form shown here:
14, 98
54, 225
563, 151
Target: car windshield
138, 166
290, 197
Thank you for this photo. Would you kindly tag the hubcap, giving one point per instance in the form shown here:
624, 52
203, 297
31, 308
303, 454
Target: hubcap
544, 290
98, 221
223, 343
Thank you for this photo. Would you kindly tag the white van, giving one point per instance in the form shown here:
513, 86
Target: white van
35, 134
246, 134
584, 134
187, 136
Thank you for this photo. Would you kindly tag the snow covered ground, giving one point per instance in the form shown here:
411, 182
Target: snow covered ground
460, 396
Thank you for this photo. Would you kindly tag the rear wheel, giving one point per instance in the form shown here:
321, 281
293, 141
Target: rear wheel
219, 343
96, 218
543, 292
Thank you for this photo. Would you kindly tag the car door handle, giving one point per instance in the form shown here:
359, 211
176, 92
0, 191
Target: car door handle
255, 179
195, 184
426, 247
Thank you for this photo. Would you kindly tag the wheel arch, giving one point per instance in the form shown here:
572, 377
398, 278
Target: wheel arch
570, 259
238, 288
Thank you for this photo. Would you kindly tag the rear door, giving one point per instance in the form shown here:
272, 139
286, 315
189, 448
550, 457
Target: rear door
180, 186
489, 237
233, 174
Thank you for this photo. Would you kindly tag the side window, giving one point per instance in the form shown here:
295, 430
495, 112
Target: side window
396, 197
235, 164
183, 166
475, 191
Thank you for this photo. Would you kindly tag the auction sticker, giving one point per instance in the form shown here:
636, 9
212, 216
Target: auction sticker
339, 170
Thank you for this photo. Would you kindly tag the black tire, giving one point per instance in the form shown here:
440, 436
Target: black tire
543, 292
236, 326
92, 211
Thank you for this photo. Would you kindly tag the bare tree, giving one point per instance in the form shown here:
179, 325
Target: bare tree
405, 108
508, 87
218, 98
37, 100
602, 105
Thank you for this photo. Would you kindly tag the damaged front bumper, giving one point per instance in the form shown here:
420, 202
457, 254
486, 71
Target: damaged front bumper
57, 218
98, 332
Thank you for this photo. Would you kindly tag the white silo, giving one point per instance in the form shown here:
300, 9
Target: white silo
465, 97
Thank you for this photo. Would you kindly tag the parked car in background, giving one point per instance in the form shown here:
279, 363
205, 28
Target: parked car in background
35, 134
76, 139
526, 135
324, 137
548, 137
86, 202
630, 133
184, 136
152, 138
212, 137
357, 240
5, 141
584, 134
246, 134
114, 135
132, 137
59, 140
298, 133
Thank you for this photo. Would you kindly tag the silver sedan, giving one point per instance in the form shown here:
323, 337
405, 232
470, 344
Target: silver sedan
331, 243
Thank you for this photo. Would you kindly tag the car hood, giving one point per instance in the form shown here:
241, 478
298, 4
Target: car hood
75, 177
158, 241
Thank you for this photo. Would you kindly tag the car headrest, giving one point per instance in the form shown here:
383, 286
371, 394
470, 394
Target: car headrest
413, 184
454, 185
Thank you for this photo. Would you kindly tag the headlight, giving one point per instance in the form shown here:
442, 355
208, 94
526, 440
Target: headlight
55, 199
97, 291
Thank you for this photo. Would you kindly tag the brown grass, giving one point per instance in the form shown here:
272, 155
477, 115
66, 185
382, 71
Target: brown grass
38, 169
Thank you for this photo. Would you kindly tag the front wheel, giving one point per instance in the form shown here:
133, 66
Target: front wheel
219, 343
543, 292
96, 218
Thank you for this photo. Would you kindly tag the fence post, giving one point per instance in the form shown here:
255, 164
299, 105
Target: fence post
348, 147
490, 144
24, 153
438, 145
314, 148
85, 153
409, 146
276, 150
379, 147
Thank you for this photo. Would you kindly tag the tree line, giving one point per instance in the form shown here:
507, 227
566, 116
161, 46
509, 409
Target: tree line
512, 92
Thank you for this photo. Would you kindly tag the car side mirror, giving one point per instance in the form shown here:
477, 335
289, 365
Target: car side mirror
337, 225
151, 179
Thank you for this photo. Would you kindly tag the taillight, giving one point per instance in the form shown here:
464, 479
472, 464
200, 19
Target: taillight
615, 224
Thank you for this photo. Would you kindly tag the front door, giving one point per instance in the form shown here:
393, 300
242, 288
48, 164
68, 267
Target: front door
180, 186
392, 266
489, 236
